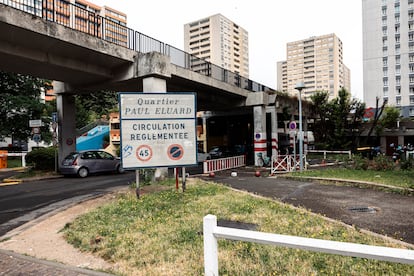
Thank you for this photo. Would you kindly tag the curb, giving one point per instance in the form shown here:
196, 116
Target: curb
353, 182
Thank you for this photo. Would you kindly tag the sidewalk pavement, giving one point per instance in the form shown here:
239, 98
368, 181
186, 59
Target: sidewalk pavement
13, 264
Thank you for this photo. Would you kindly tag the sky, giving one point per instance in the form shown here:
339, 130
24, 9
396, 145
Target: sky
271, 24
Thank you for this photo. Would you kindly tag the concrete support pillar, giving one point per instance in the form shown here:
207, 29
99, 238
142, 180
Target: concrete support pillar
156, 85
153, 85
66, 125
400, 140
259, 119
205, 148
275, 137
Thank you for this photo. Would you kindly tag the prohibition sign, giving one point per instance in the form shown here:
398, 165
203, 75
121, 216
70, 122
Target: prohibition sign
144, 153
175, 152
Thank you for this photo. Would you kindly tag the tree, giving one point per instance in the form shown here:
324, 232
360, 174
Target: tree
377, 116
20, 102
336, 119
321, 110
90, 107
389, 118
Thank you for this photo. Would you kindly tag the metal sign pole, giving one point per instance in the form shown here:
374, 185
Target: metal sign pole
184, 178
137, 183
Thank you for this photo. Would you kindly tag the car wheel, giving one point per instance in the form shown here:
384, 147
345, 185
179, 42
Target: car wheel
83, 172
119, 169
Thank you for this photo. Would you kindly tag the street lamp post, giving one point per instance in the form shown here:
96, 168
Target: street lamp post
300, 86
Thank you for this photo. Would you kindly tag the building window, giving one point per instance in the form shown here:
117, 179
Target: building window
385, 71
397, 49
384, 10
398, 81
411, 113
397, 60
398, 101
411, 100
411, 90
384, 61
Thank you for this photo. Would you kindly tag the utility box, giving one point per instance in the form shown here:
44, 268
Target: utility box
3, 159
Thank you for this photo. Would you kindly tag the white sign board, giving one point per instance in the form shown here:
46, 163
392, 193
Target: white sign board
35, 123
158, 129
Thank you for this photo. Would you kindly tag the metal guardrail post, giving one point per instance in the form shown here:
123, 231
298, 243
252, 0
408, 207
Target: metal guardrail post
210, 246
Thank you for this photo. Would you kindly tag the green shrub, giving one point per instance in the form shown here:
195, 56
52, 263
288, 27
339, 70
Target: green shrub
360, 163
42, 158
382, 163
406, 164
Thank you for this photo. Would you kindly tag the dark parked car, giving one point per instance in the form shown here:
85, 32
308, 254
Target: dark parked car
219, 152
203, 156
86, 162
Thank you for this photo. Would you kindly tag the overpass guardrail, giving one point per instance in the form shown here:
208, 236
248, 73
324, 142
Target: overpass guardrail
78, 18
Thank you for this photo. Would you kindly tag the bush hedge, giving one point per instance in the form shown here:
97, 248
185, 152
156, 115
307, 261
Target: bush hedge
42, 158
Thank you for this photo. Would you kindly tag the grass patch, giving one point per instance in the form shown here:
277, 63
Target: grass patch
14, 162
401, 178
161, 234
29, 173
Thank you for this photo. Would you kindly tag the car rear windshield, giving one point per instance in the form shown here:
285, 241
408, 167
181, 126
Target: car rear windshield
71, 156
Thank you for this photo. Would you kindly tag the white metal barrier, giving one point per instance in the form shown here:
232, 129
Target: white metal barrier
332, 151
222, 164
212, 232
22, 154
285, 163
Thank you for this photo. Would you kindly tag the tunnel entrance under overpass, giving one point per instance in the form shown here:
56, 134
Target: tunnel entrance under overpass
234, 131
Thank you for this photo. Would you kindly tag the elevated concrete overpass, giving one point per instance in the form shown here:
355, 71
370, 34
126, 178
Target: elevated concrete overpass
34, 46
81, 63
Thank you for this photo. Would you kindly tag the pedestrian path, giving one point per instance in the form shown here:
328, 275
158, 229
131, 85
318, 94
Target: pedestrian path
13, 264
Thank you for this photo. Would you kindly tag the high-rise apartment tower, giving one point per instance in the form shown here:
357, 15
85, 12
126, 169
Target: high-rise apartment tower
219, 41
388, 53
318, 63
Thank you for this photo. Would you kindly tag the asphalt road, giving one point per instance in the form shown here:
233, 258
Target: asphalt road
26, 201
378, 211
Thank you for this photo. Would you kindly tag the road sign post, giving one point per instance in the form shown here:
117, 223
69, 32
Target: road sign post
158, 129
